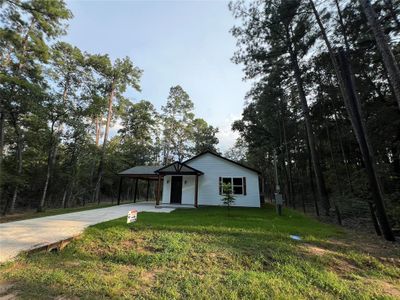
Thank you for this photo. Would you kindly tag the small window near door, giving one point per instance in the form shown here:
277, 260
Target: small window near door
238, 184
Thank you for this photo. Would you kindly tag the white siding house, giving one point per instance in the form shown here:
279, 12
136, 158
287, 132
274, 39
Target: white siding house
215, 168
198, 181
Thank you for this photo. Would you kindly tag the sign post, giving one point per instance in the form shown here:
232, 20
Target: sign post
132, 216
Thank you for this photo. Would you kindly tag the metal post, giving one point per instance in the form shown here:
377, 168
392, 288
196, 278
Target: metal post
136, 187
119, 190
158, 190
148, 189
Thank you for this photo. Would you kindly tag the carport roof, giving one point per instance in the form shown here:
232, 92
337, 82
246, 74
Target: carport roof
141, 170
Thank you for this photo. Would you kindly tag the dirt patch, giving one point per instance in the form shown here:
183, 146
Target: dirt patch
388, 288
139, 245
343, 268
128, 244
369, 244
316, 250
9, 297
5, 293
340, 266
149, 276
65, 298
73, 264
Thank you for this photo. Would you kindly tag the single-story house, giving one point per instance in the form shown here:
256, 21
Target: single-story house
198, 181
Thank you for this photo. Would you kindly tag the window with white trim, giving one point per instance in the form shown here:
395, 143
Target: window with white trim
238, 184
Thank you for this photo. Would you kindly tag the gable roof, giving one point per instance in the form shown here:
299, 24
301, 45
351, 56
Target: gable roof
178, 168
220, 156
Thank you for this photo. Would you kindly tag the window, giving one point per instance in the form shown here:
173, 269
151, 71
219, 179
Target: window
238, 184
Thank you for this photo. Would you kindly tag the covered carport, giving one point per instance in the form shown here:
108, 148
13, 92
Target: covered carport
145, 173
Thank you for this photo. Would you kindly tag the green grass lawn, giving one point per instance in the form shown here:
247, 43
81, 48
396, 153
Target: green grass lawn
206, 254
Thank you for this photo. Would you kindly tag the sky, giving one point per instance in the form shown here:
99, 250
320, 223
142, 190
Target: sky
185, 43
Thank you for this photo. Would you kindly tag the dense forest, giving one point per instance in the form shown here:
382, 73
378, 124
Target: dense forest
324, 107
66, 125
326, 103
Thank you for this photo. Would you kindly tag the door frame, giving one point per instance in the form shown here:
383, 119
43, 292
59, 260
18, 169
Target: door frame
172, 189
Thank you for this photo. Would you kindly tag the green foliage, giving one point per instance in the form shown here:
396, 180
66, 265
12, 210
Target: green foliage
177, 120
228, 198
183, 135
204, 137
273, 120
59, 104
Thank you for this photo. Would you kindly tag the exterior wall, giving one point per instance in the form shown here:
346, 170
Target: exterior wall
187, 189
166, 190
213, 168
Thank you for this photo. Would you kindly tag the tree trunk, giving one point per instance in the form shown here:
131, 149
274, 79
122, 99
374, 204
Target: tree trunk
103, 149
19, 169
51, 160
382, 43
338, 183
354, 110
50, 163
344, 156
52, 155
46, 184
335, 66
333, 59
2, 119
374, 219
322, 193
15, 121
341, 23
287, 152
285, 185
98, 126
63, 202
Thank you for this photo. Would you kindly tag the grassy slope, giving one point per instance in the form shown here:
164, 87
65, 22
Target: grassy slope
204, 254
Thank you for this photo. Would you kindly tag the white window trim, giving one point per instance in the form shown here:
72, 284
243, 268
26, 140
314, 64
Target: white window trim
231, 178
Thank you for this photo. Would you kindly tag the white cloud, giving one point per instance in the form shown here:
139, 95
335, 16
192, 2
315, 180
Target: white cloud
117, 125
226, 136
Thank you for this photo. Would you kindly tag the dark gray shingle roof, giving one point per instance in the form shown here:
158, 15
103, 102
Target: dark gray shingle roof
141, 170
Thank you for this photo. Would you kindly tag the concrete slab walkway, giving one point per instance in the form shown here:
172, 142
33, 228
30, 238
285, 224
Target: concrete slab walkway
34, 233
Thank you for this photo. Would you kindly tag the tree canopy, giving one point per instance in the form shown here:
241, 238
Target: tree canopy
66, 125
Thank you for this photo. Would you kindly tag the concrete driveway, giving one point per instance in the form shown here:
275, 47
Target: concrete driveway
34, 233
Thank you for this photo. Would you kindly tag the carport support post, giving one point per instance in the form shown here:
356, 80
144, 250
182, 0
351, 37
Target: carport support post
196, 191
158, 190
148, 190
136, 187
119, 190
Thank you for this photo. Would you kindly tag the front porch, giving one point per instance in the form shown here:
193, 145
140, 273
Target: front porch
180, 185
177, 184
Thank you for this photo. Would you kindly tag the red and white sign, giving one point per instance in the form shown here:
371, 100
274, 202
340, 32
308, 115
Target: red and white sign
132, 216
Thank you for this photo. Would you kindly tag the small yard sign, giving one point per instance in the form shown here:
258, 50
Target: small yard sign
132, 216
